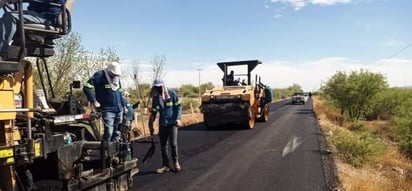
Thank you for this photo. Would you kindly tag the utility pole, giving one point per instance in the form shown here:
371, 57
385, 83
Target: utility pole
200, 99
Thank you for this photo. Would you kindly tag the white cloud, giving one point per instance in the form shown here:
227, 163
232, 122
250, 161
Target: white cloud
308, 74
329, 2
397, 71
299, 4
278, 15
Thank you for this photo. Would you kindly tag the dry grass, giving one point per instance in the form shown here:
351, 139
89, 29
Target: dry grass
390, 172
371, 179
362, 179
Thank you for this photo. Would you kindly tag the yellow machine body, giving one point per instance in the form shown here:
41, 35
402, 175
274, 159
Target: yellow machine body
234, 104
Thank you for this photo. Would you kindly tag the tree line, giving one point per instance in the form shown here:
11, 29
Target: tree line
73, 62
364, 95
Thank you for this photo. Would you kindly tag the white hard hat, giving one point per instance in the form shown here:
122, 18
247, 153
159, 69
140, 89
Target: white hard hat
115, 68
158, 82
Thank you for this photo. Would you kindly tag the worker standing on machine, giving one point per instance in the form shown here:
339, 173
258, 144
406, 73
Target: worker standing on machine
38, 12
107, 98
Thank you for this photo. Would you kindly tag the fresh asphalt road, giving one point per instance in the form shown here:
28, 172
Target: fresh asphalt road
281, 154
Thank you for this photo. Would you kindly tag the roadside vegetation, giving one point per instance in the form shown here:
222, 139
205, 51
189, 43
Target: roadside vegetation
282, 93
368, 127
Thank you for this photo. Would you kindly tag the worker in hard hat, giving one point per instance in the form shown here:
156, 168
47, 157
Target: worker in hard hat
104, 92
128, 116
166, 103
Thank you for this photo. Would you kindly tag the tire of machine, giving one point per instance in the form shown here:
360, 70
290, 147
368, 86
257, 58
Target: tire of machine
265, 116
250, 124
207, 121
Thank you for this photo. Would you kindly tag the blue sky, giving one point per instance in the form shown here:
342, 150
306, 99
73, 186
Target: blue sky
299, 41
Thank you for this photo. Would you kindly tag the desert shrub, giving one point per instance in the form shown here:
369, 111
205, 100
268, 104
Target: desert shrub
188, 102
358, 127
352, 93
385, 103
356, 149
331, 112
404, 134
403, 124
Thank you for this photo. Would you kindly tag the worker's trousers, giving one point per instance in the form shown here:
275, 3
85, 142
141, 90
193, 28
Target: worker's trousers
8, 26
112, 122
168, 134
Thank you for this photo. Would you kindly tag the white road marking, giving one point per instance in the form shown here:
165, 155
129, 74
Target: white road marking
292, 144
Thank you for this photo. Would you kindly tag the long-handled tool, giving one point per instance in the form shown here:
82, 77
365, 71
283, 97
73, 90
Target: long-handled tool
149, 154
144, 126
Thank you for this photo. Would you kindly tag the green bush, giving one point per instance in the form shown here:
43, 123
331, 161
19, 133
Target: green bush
385, 103
352, 93
406, 147
358, 127
404, 132
187, 102
403, 124
357, 149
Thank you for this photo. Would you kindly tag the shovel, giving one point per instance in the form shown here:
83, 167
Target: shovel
149, 154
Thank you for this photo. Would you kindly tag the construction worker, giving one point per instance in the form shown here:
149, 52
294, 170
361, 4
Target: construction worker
230, 78
38, 12
166, 103
243, 82
103, 90
128, 116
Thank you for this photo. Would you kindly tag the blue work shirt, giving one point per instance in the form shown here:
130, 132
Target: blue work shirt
130, 110
269, 94
110, 100
170, 111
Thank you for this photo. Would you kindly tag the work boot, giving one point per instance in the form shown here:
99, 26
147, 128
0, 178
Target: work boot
177, 166
162, 170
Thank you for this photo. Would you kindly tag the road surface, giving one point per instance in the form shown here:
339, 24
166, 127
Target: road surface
286, 153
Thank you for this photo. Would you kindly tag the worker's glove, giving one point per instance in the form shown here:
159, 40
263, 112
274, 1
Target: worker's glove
178, 123
96, 104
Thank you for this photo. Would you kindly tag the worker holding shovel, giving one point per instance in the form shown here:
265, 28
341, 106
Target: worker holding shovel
166, 103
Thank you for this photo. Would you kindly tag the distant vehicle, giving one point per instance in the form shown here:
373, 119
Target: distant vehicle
306, 97
298, 98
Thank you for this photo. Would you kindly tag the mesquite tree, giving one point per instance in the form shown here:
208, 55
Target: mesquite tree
353, 93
